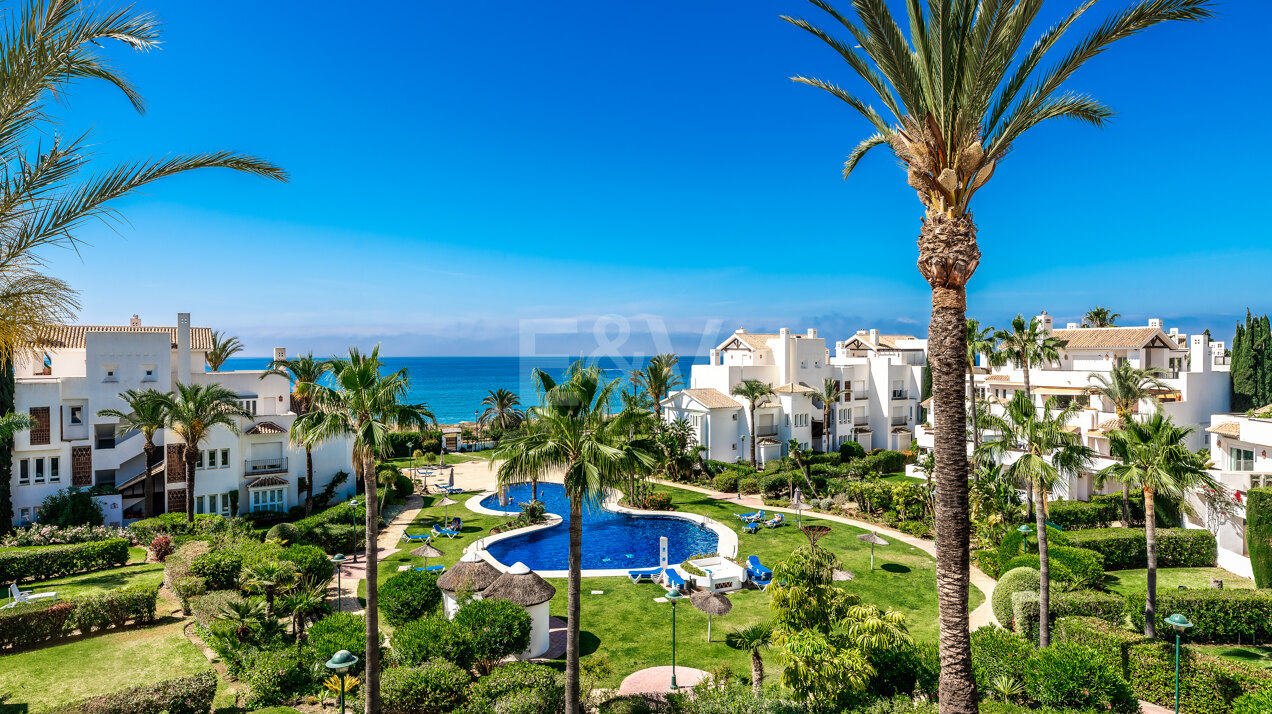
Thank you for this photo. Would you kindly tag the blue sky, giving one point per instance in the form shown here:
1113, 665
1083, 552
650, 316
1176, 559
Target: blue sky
463, 172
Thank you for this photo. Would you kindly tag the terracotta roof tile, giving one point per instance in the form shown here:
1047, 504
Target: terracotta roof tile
266, 481
793, 389
72, 336
712, 398
1226, 428
1100, 338
266, 427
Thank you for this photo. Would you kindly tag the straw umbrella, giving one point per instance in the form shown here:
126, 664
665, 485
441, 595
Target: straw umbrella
873, 539
797, 503
427, 551
446, 503
712, 603
472, 571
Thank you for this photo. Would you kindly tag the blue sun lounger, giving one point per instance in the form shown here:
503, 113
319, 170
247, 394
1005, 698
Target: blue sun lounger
672, 579
421, 538
432, 569
776, 521
438, 530
751, 527
638, 575
748, 516
757, 571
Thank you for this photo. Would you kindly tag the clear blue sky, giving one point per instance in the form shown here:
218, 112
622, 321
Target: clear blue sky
458, 168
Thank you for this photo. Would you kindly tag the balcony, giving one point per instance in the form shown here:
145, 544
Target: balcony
256, 467
860, 421
860, 395
897, 421
900, 394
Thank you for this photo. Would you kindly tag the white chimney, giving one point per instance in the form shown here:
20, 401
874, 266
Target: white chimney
784, 332
1071, 325
280, 354
183, 347
874, 337
1155, 322
135, 321
1199, 353
1045, 323
812, 332
1174, 332
715, 357
741, 331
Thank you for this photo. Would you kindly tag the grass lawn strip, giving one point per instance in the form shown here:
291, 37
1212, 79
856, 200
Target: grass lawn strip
1123, 582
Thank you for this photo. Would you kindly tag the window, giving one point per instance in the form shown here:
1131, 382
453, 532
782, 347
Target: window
225, 458
198, 462
211, 458
198, 504
39, 470
77, 416
248, 404
55, 474
1240, 459
211, 503
24, 471
225, 504
109, 373
267, 499
148, 373
24, 516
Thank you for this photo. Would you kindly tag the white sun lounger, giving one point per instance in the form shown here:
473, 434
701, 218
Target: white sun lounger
16, 596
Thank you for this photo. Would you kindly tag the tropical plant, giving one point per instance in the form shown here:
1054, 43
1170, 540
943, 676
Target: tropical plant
303, 373
657, 378
145, 415
574, 433
365, 403
1047, 454
800, 458
830, 393
245, 616
306, 603
1125, 387
1100, 317
268, 578
223, 347
753, 639
192, 414
1027, 345
1154, 460
501, 410
752, 390
980, 341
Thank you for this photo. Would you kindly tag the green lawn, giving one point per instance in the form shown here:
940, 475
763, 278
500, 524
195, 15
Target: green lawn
451, 459
1248, 655
1128, 581
102, 580
43, 679
901, 478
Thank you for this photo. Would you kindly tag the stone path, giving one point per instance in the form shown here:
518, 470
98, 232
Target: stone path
387, 543
556, 641
1146, 708
982, 615
657, 680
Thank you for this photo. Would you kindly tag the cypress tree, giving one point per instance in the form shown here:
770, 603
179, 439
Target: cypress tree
1242, 369
1259, 534
1265, 373
6, 448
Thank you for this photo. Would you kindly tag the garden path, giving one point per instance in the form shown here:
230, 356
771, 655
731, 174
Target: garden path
657, 680
387, 544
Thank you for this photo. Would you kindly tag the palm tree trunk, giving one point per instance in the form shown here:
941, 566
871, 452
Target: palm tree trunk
534, 488
1044, 575
147, 483
1024, 363
573, 608
1126, 506
309, 481
189, 455
757, 673
971, 374
754, 464
372, 681
1150, 538
947, 259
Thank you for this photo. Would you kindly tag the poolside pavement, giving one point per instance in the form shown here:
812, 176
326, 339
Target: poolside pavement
657, 680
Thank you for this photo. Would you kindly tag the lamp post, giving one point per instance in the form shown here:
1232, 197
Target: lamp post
674, 596
338, 560
1180, 623
411, 446
1024, 530
353, 516
340, 663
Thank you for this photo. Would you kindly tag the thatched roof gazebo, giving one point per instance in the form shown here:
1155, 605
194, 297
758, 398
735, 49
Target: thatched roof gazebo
520, 585
472, 571
712, 603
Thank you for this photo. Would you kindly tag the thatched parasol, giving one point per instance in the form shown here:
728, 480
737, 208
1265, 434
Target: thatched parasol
797, 503
427, 551
446, 503
712, 603
873, 539
520, 585
842, 576
471, 571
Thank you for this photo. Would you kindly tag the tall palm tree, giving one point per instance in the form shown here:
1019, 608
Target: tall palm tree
830, 393
753, 639
1126, 386
193, 413
658, 378
980, 341
1050, 453
501, 409
961, 90
1152, 458
146, 415
573, 432
752, 390
1100, 317
223, 347
1027, 345
303, 372
366, 403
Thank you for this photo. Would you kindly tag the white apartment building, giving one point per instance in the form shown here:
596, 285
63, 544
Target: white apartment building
1196, 384
79, 370
879, 374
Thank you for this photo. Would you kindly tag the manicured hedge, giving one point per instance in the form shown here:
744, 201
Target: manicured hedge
1208, 684
1073, 515
435, 687
1127, 548
987, 561
54, 561
1259, 534
1084, 567
1218, 616
408, 596
218, 568
1167, 512
174, 524
1010, 547
184, 695
1012, 582
726, 482
1080, 603
37, 623
998, 652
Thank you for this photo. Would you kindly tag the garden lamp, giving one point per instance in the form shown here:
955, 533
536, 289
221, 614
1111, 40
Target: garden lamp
337, 560
353, 516
411, 446
340, 663
674, 596
1180, 623
1024, 530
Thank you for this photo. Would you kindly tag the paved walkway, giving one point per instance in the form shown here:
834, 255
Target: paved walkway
1146, 708
387, 543
983, 615
657, 680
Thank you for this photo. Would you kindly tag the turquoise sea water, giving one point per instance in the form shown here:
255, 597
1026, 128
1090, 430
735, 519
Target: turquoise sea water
453, 387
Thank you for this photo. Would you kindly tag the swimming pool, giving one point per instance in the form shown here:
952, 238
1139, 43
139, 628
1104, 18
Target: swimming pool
610, 540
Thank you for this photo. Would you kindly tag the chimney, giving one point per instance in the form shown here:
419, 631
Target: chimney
1155, 322
1045, 323
874, 337
280, 354
1071, 325
741, 331
715, 357
784, 332
1199, 353
812, 332
183, 347
135, 321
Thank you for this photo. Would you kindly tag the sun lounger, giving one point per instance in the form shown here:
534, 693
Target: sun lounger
438, 530
432, 569
776, 521
19, 596
756, 570
747, 516
672, 579
421, 538
650, 574
751, 527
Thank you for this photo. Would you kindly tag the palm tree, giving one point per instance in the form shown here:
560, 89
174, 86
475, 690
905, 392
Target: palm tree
146, 415
753, 639
192, 414
657, 379
752, 390
573, 432
367, 404
979, 342
1126, 386
1154, 460
1027, 345
830, 393
306, 602
1100, 317
269, 578
1050, 454
962, 90
800, 457
303, 372
501, 410
223, 348
13, 422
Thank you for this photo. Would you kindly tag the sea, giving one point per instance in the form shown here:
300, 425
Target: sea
453, 387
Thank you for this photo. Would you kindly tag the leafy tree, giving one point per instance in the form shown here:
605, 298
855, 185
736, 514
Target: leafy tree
192, 414
71, 507
1125, 387
753, 639
303, 373
1100, 317
223, 348
752, 390
146, 414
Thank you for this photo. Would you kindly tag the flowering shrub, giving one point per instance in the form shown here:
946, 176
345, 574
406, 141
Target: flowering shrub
38, 535
161, 548
35, 623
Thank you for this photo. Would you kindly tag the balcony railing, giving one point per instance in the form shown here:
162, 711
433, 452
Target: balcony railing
898, 421
899, 394
860, 395
769, 431
254, 467
860, 421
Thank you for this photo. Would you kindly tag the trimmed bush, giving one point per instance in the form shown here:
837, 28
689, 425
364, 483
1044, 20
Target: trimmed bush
498, 628
188, 588
1167, 512
1017, 580
1218, 616
1082, 567
161, 548
1071, 675
1127, 548
55, 561
502, 689
1010, 547
218, 568
1253, 703
987, 560
905, 670
206, 608
748, 485
275, 676
311, 562
1208, 684
341, 631
174, 524
1074, 515
408, 596
997, 652
429, 638
726, 482
1082, 603
283, 534
1259, 534
115, 608
37, 623
850, 450
436, 687
184, 695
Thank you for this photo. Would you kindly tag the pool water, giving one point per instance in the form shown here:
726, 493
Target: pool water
610, 540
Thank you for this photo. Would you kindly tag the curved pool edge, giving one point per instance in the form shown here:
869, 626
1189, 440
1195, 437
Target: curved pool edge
726, 538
